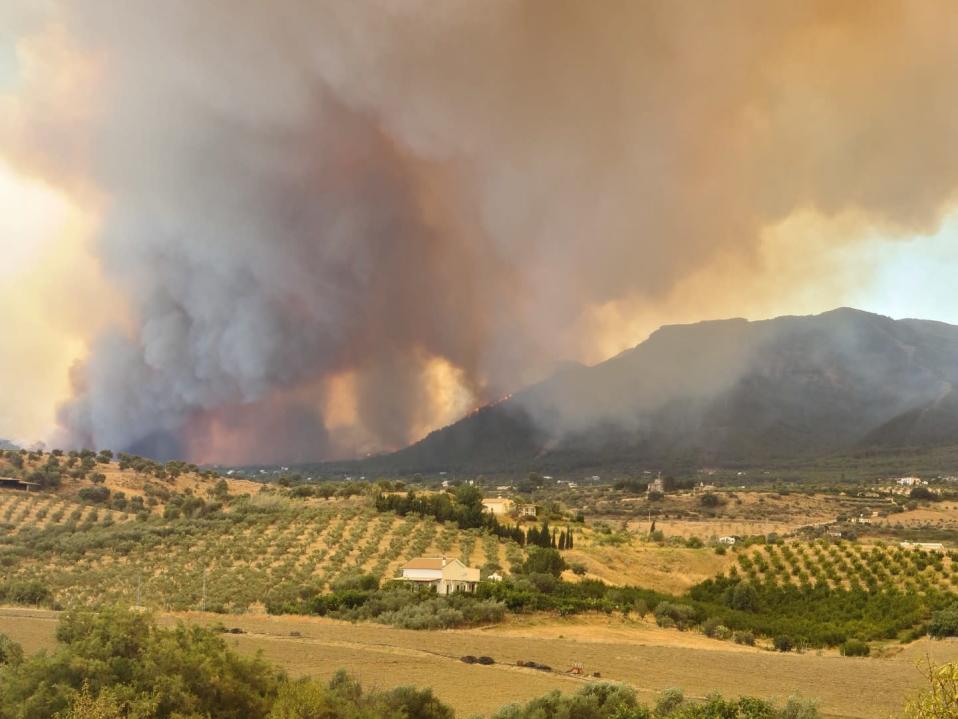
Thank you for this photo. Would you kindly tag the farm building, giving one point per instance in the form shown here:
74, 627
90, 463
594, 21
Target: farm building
448, 576
911, 481
656, 485
13, 483
727, 540
528, 510
498, 506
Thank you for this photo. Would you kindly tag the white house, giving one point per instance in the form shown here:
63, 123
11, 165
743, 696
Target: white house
528, 510
498, 506
911, 481
727, 540
448, 576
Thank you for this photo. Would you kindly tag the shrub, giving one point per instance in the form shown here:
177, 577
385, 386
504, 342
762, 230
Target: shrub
186, 670
362, 582
798, 708
710, 625
939, 700
743, 597
745, 637
710, 500
10, 651
680, 615
95, 495
722, 632
544, 561
855, 648
944, 623
668, 701
783, 643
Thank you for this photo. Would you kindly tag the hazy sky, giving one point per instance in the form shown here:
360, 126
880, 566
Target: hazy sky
334, 227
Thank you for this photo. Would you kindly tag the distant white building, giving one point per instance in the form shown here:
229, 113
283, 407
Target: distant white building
447, 576
498, 505
911, 481
727, 540
657, 485
528, 510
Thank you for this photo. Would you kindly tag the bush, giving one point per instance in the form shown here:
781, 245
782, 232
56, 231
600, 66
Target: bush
940, 698
10, 651
361, 582
797, 708
25, 591
668, 701
544, 561
183, 671
944, 623
95, 495
722, 632
745, 637
743, 597
674, 614
710, 500
783, 643
855, 648
710, 625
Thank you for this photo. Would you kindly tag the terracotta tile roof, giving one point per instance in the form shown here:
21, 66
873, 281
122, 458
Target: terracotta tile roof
426, 563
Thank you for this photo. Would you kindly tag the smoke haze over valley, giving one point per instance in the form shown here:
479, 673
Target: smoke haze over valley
297, 231
717, 392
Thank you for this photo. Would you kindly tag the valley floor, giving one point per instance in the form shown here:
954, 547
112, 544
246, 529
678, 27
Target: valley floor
648, 658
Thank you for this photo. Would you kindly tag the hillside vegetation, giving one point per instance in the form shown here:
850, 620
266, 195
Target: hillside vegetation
262, 550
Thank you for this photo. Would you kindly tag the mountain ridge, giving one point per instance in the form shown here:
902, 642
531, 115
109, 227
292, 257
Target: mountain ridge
719, 390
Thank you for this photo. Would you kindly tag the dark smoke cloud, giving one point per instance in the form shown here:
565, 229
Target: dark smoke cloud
299, 189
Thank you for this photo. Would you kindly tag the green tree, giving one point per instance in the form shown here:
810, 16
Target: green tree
84, 705
10, 651
544, 561
160, 673
944, 623
940, 699
744, 597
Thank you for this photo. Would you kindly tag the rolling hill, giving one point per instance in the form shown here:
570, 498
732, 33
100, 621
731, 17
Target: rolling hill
719, 391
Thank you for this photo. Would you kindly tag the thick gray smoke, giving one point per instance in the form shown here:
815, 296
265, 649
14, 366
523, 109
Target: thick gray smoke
299, 189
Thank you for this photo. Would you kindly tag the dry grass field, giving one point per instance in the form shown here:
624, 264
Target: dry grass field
663, 568
648, 658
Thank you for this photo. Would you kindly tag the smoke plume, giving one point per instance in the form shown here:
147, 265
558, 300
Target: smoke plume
389, 211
